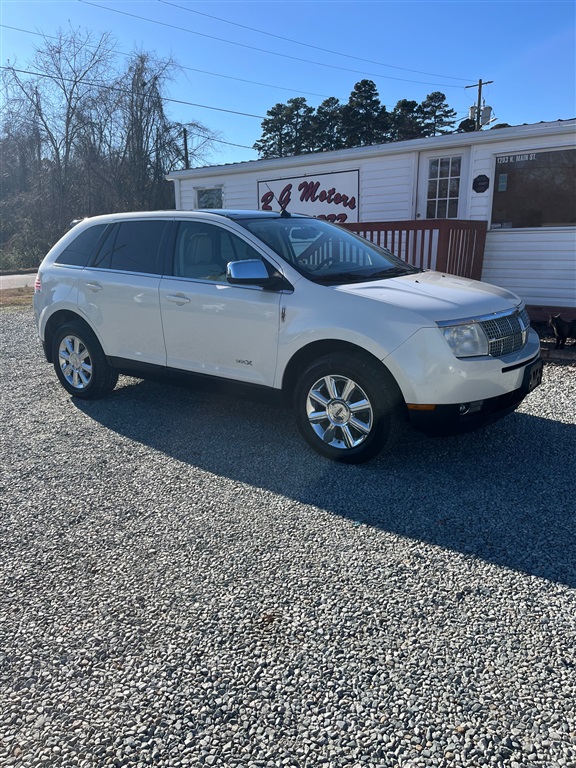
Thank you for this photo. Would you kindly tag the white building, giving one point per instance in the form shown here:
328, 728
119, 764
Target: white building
521, 181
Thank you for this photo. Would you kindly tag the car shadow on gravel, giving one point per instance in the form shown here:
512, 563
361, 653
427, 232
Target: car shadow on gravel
504, 494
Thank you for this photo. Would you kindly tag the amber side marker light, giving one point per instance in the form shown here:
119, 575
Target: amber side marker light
420, 407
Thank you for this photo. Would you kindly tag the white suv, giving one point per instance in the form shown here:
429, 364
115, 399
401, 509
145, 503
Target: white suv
357, 340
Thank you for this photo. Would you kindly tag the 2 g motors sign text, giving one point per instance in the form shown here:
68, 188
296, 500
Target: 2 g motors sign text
330, 196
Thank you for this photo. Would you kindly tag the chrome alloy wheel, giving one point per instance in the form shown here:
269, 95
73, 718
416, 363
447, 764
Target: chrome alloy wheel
75, 362
339, 411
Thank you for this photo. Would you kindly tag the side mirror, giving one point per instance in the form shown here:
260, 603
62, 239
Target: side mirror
247, 272
254, 272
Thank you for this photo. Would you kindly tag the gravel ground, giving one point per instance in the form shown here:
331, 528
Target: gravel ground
184, 583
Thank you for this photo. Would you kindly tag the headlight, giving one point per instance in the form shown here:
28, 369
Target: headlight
467, 340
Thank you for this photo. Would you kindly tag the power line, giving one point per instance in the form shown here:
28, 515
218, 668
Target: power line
261, 50
310, 45
186, 68
121, 90
251, 82
124, 90
192, 69
221, 141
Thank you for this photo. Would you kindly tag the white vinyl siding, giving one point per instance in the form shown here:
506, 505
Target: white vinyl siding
537, 264
187, 197
387, 188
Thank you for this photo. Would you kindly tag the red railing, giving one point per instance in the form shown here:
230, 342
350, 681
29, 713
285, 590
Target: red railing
445, 245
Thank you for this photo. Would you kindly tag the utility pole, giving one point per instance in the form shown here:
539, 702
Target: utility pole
479, 105
186, 156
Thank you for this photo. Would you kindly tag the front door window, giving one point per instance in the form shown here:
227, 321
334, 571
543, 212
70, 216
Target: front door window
443, 187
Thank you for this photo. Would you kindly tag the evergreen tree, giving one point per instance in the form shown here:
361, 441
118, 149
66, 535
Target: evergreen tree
295, 128
405, 121
364, 119
287, 130
273, 142
437, 117
299, 116
327, 125
466, 126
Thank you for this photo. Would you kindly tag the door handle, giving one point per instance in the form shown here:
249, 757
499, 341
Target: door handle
177, 298
94, 287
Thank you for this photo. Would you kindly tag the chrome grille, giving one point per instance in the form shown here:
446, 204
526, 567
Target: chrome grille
507, 334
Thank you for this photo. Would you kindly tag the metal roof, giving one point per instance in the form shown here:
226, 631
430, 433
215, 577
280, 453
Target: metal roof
393, 147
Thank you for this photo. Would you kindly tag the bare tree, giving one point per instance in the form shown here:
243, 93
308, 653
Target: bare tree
53, 99
82, 137
150, 141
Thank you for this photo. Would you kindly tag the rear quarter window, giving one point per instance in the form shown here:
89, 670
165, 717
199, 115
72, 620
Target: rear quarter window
80, 250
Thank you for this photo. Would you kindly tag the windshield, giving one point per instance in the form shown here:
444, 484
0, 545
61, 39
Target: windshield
325, 253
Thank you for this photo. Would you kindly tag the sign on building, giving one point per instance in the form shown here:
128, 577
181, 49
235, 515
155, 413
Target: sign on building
331, 196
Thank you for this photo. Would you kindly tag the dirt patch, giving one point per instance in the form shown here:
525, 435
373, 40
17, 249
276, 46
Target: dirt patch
16, 297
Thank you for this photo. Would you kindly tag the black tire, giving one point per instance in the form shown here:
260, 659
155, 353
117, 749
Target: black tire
348, 408
80, 363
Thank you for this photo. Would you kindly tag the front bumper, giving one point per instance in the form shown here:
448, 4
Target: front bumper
464, 417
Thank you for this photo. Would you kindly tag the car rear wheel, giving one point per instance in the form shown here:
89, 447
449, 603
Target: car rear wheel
80, 363
348, 408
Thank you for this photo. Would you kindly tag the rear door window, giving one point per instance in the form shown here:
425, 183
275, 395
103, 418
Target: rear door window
134, 246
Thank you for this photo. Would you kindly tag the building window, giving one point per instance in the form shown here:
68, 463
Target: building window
535, 189
443, 187
209, 198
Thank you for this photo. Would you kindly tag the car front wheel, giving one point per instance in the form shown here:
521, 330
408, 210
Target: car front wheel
348, 408
80, 363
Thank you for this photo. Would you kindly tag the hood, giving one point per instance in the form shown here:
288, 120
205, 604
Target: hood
437, 296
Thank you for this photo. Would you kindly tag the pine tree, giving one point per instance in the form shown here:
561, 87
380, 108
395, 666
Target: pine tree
437, 117
295, 128
327, 125
287, 130
405, 121
364, 119
299, 115
272, 143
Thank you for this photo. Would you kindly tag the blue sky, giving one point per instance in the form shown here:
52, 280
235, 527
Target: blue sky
247, 56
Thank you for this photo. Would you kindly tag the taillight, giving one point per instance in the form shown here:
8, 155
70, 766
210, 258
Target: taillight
37, 284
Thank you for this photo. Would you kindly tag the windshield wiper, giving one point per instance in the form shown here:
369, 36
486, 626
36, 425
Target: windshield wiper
357, 277
395, 272
339, 277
